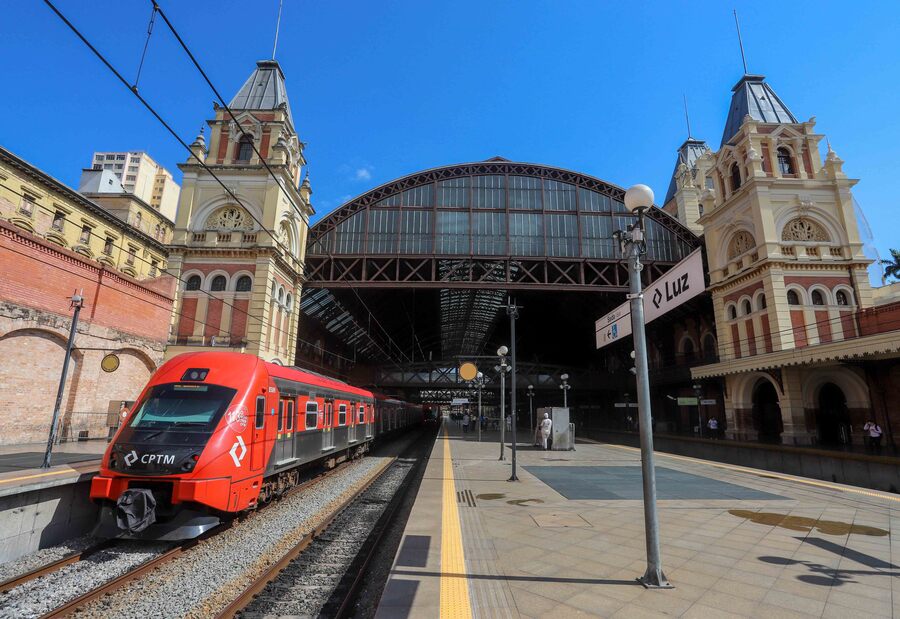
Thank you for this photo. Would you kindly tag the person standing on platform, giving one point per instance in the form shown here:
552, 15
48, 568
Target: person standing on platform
546, 426
465, 423
873, 434
713, 426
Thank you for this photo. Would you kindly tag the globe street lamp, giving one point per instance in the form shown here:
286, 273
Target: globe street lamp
530, 395
502, 369
698, 389
638, 199
479, 380
565, 386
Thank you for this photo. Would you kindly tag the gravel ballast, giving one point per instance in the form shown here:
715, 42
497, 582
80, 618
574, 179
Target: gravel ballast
205, 579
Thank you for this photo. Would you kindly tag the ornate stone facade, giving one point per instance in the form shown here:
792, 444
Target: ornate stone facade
238, 250
787, 273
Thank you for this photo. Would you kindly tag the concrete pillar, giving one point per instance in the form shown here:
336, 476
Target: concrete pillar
200, 316
793, 414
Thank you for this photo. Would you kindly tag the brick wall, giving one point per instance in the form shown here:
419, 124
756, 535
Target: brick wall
120, 315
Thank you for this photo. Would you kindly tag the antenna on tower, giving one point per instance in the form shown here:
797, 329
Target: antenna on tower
740, 41
277, 26
687, 118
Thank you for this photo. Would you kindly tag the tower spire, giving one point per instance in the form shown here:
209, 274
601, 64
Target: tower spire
687, 118
277, 26
740, 41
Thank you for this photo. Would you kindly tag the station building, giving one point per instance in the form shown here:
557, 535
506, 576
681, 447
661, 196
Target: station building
393, 289
55, 242
806, 349
790, 344
240, 233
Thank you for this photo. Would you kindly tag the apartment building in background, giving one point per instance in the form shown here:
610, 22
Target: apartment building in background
140, 175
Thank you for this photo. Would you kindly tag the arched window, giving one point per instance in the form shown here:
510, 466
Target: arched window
156, 232
245, 148
280, 295
735, 177
841, 297
244, 284
688, 349
785, 162
193, 283
137, 219
761, 303
746, 307
709, 347
218, 283
732, 312
288, 301
793, 298
817, 298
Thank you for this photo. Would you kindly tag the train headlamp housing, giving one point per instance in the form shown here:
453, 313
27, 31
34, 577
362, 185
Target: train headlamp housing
195, 374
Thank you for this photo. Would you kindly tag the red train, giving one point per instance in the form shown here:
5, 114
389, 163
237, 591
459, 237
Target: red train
216, 433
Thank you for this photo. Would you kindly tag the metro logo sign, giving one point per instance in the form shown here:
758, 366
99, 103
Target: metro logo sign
681, 283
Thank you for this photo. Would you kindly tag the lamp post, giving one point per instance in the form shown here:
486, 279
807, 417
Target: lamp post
512, 310
502, 369
530, 395
698, 389
565, 386
77, 302
638, 199
479, 380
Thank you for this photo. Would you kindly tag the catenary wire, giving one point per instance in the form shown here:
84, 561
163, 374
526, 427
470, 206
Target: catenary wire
262, 160
121, 248
159, 118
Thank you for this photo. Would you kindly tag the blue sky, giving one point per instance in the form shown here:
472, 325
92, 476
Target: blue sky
383, 89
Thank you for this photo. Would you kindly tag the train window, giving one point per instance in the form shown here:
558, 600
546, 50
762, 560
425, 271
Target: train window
312, 415
362, 414
260, 411
280, 415
342, 415
290, 415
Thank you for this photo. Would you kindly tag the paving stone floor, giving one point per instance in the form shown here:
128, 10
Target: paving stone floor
567, 540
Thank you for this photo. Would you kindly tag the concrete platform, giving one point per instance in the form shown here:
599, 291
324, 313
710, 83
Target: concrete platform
567, 539
42, 507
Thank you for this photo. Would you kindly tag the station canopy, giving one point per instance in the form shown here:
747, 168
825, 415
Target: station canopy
418, 270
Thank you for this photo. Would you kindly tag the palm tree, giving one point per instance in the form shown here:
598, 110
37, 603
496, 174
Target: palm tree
892, 266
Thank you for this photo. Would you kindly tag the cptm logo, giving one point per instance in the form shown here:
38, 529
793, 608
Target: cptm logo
132, 457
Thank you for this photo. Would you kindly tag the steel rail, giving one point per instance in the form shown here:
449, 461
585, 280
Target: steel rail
148, 566
270, 574
373, 542
49, 568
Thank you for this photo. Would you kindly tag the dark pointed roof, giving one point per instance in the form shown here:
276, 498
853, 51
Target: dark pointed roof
753, 96
688, 153
263, 90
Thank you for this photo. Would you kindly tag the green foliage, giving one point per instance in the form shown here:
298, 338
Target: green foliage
892, 266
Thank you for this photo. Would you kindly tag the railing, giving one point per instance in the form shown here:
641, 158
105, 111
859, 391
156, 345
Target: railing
79, 426
217, 341
214, 238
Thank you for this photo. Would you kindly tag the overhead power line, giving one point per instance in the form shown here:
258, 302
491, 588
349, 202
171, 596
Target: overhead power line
168, 127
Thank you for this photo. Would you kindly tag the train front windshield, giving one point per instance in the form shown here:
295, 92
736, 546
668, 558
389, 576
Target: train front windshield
178, 408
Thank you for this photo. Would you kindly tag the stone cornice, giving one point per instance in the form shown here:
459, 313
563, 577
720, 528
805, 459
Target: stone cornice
878, 346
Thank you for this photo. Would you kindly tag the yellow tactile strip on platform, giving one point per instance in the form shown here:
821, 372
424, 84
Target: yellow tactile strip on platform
454, 585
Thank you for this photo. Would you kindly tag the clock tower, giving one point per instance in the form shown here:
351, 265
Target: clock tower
240, 233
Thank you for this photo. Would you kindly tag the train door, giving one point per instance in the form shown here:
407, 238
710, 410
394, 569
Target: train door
290, 451
328, 431
370, 420
283, 439
342, 419
351, 423
258, 446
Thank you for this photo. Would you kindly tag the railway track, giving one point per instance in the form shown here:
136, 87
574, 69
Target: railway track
322, 573
110, 547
